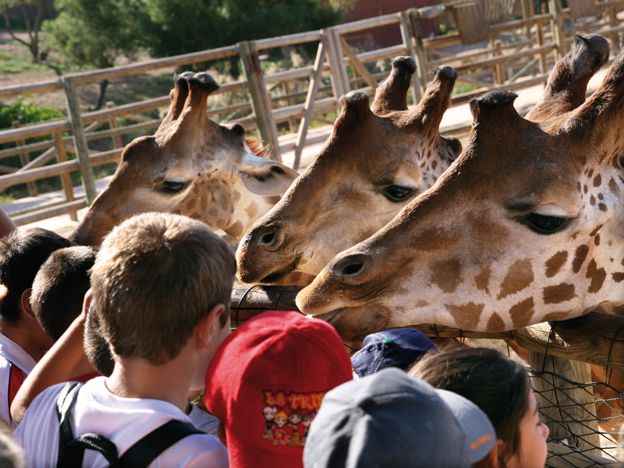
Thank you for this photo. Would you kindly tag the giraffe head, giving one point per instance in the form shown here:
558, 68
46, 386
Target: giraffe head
376, 160
526, 226
191, 166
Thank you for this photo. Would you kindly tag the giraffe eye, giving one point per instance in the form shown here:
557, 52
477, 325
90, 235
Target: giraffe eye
172, 186
397, 193
543, 224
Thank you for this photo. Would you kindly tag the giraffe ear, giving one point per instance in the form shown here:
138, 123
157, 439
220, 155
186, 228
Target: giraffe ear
391, 95
265, 177
427, 115
598, 113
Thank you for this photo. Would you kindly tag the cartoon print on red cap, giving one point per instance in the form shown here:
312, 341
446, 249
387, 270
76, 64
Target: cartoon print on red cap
288, 416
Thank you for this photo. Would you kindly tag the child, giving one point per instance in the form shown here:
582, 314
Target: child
268, 378
501, 388
399, 347
160, 288
22, 341
389, 419
59, 288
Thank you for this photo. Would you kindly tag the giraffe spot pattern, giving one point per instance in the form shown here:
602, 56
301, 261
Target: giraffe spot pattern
579, 257
495, 323
558, 293
465, 315
554, 263
518, 277
522, 312
446, 275
482, 280
596, 275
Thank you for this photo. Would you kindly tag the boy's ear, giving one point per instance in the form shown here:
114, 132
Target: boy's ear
86, 301
25, 303
206, 327
3, 291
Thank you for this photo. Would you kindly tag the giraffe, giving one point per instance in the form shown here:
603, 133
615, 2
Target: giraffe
377, 159
191, 166
526, 226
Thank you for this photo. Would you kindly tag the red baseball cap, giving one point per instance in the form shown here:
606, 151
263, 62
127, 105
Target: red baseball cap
266, 384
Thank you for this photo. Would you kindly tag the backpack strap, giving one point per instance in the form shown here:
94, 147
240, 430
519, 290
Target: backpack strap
146, 450
68, 456
141, 454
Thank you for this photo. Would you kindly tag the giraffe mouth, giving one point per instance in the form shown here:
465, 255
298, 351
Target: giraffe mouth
279, 274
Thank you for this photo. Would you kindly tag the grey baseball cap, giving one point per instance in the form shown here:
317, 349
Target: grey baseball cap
389, 419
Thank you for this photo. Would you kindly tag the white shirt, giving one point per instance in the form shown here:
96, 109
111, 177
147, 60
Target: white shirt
123, 421
11, 355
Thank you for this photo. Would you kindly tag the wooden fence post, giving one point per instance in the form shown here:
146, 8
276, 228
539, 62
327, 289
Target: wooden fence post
556, 26
408, 35
260, 101
569, 412
82, 151
24, 160
66, 181
315, 81
422, 65
339, 77
500, 67
613, 22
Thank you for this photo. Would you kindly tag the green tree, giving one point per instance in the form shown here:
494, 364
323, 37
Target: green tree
95, 34
190, 25
31, 15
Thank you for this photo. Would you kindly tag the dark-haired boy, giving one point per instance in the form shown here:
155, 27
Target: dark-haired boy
22, 340
160, 285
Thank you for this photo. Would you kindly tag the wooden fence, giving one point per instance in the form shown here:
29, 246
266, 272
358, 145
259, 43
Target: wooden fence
517, 55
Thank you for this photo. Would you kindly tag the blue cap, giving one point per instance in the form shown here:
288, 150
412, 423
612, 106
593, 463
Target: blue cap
400, 347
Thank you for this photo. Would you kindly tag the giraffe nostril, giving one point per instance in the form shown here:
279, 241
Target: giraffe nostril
350, 266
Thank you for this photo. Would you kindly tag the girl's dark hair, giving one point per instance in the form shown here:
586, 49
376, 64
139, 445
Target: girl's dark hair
495, 383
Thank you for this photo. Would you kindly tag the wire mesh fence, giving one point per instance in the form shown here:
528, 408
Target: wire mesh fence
586, 419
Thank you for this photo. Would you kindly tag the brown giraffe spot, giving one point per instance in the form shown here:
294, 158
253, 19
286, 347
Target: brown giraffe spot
595, 231
446, 275
590, 173
421, 304
236, 229
236, 195
559, 293
482, 280
191, 204
519, 276
592, 200
466, 315
585, 189
597, 240
600, 196
578, 186
495, 323
613, 186
597, 181
618, 276
556, 316
434, 164
554, 263
579, 257
252, 211
432, 239
522, 312
602, 207
597, 276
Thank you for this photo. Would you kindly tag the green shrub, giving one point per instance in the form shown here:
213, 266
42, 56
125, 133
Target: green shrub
24, 113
